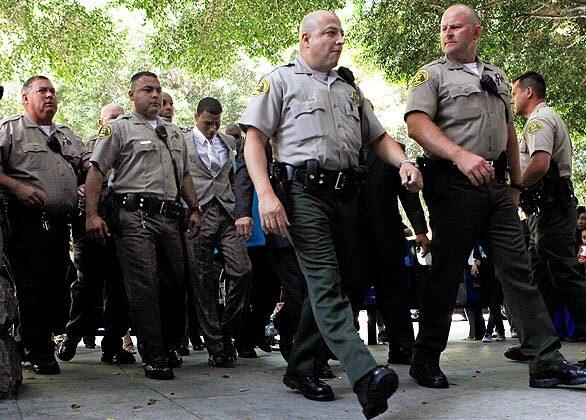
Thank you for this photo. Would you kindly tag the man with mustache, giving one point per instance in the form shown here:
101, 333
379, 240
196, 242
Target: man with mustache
458, 110
312, 116
40, 162
150, 176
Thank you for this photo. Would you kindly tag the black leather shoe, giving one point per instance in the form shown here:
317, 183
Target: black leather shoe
220, 360
563, 374
67, 349
158, 370
322, 370
183, 350
310, 387
230, 351
374, 389
247, 352
121, 357
50, 367
264, 345
399, 356
198, 346
174, 359
428, 375
514, 353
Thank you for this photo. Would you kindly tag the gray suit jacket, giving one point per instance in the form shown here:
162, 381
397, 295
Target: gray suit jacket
208, 185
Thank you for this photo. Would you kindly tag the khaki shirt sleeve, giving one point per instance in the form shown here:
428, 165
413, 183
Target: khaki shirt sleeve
375, 127
264, 109
423, 93
106, 149
540, 136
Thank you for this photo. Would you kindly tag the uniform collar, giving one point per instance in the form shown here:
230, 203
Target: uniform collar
539, 106
455, 64
32, 124
139, 119
301, 67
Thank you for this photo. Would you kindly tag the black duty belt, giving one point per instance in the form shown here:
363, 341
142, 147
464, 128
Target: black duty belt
444, 165
336, 180
150, 205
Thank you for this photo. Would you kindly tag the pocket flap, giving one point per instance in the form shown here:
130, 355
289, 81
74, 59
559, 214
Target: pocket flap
299, 108
463, 90
34, 147
144, 146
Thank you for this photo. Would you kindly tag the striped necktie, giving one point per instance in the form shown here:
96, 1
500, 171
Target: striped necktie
215, 165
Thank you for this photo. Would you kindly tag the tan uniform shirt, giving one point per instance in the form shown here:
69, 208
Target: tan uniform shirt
307, 117
451, 95
26, 157
546, 131
140, 161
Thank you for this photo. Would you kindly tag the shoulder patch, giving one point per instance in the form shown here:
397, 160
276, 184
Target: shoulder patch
534, 127
421, 77
262, 87
105, 131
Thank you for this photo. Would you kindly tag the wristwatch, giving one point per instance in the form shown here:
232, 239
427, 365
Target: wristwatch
197, 209
411, 161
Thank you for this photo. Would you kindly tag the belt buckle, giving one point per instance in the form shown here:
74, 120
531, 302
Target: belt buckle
340, 181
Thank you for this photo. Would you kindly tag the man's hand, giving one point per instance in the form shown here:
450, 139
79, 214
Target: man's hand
244, 226
411, 177
81, 191
477, 169
194, 225
272, 214
422, 242
28, 195
96, 228
475, 268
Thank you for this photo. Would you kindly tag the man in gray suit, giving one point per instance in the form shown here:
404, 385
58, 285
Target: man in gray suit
212, 155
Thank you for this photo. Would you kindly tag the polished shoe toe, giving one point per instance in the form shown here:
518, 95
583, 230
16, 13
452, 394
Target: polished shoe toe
374, 389
310, 387
264, 346
323, 370
183, 350
67, 349
399, 356
515, 353
46, 367
174, 359
220, 360
428, 375
247, 353
563, 374
158, 370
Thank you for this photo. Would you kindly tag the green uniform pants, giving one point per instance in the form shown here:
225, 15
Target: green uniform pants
322, 226
553, 260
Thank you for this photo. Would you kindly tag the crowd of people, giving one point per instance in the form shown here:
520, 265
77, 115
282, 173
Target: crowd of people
159, 214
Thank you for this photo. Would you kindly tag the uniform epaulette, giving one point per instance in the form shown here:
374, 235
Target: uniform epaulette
123, 117
13, 118
435, 62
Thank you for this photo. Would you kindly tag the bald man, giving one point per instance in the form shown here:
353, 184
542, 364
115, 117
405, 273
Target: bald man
167, 110
97, 269
458, 110
312, 115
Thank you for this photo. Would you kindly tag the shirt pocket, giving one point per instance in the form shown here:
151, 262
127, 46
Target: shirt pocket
308, 115
35, 156
352, 123
148, 155
467, 100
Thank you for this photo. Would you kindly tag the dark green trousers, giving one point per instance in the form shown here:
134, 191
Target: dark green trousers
322, 227
460, 216
552, 252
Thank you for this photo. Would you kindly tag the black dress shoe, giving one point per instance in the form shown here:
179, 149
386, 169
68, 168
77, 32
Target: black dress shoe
374, 389
230, 351
399, 356
428, 375
310, 387
121, 357
264, 345
158, 370
220, 360
322, 370
174, 359
49, 367
89, 341
247, 352
67, 349
514, 353
563, 374
183, 350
